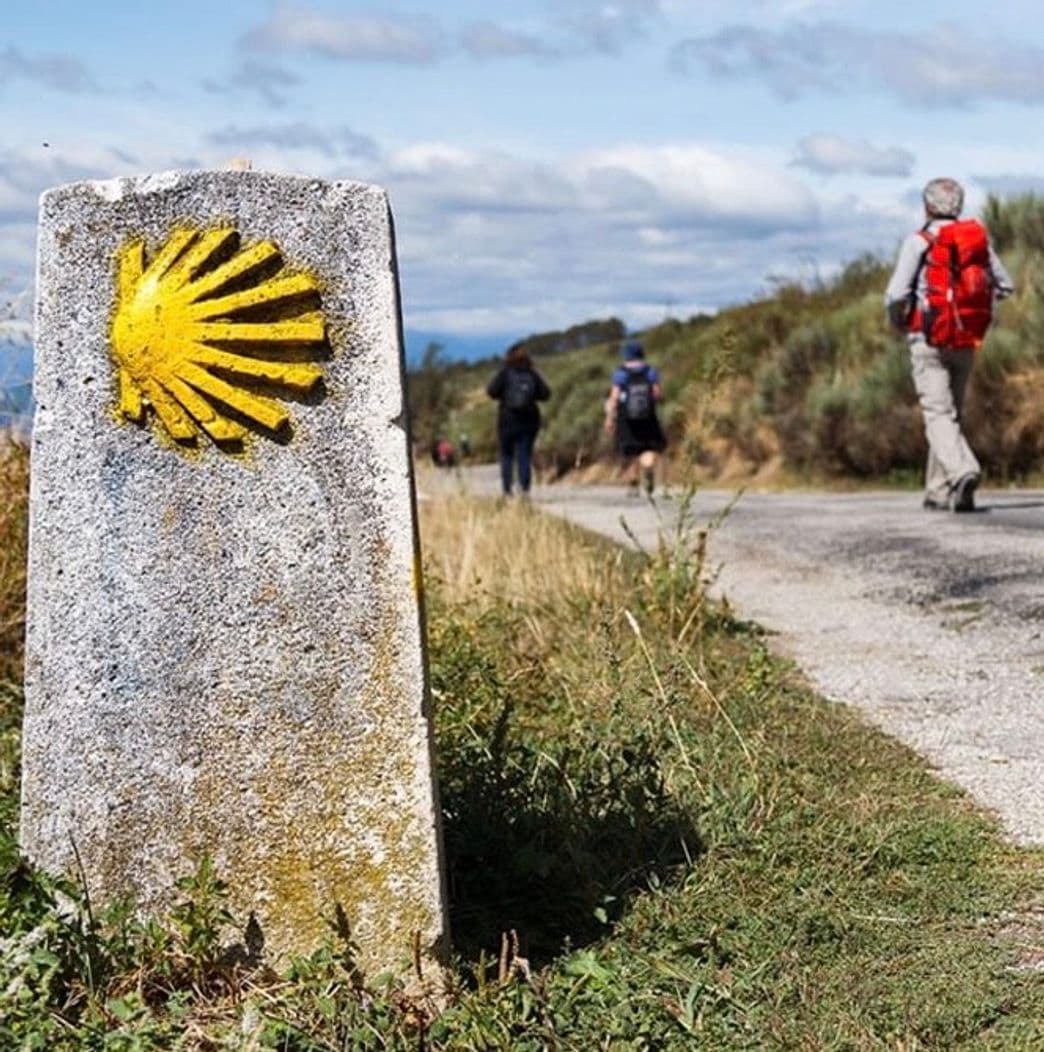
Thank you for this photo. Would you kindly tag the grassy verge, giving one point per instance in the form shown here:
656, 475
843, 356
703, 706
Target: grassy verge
657, 838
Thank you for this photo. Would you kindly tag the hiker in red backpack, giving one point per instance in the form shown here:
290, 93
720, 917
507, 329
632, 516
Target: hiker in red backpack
941, 295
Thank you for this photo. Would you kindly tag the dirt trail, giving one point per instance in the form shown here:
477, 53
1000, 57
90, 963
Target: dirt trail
931, 623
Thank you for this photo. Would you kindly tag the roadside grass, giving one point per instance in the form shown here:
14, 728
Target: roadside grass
825, 891
657, 838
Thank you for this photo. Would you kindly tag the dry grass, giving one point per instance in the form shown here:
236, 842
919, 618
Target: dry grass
481, 554
14, 527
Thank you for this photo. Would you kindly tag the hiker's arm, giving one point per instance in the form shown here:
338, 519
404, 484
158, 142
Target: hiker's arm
1003, 286
610, 409
496, 385
899, 296
543, 392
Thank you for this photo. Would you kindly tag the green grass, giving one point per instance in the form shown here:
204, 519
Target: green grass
693, 850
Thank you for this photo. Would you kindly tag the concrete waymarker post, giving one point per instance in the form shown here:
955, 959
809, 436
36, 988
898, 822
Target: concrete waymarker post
224, 654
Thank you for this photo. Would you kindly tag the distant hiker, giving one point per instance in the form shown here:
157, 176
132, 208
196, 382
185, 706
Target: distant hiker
517, 387
445, 454
941, 295
630, 415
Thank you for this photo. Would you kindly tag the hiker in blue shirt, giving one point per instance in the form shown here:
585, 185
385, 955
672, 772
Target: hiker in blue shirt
517, 387
630, 416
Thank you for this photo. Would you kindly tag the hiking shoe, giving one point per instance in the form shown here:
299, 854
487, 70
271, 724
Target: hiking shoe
962, 497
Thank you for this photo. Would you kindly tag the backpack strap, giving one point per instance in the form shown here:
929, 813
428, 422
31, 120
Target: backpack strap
913, 308
929, 238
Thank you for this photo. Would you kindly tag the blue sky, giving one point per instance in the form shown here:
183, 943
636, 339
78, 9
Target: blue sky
547, 162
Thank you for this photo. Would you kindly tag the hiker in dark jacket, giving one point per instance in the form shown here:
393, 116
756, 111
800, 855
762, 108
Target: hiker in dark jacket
517, 387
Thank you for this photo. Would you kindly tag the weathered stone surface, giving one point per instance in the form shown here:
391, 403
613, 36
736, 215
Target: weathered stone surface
224, 652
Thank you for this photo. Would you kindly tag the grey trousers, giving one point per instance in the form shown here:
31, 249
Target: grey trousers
940, 378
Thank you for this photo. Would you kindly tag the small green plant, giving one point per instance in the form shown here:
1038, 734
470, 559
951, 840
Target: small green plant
200, 918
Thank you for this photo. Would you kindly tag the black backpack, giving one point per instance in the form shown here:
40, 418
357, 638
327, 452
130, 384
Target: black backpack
638, 395
520, 389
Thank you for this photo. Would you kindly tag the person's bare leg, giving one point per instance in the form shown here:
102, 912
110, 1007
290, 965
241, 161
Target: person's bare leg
648, 461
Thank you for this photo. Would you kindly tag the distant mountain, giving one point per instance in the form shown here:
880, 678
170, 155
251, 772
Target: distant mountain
457, 348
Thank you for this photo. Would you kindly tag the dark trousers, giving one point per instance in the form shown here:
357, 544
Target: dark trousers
516, 446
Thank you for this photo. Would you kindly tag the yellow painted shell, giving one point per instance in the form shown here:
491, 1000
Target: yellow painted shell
186, 338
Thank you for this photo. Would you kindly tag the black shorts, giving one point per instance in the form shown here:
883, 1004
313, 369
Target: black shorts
634, 437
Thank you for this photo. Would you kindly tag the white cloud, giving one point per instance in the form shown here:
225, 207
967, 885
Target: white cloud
831, 154
579, 27
489, 241
349, 37
695, 184
607, 25
944, 67
267, 80
295, 136
488, 40
492, 242
59, 72
470, 181
654, 236
554, 313
1006, 184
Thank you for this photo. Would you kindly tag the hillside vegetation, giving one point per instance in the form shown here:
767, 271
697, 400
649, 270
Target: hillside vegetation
808, 382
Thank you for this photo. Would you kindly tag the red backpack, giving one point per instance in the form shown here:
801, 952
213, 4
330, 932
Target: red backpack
959, 297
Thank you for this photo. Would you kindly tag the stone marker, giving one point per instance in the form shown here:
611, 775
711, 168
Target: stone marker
224, 654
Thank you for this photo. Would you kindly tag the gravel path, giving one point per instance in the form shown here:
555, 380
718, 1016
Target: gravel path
931, 623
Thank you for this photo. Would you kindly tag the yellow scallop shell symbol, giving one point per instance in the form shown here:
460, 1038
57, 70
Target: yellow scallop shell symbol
199, 329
